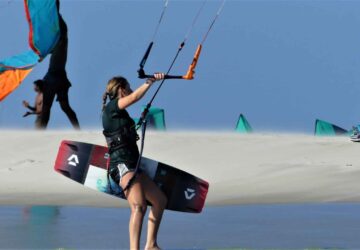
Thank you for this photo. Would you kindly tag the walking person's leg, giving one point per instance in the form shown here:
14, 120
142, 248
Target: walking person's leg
63, 99
48, 99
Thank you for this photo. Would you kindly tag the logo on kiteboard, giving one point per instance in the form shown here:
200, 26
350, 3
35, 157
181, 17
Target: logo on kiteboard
73, 160
189, 193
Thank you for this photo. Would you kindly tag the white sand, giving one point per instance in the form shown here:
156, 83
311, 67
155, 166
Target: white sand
241, 169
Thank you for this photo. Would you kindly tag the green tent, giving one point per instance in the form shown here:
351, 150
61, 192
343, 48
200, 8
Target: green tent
323, 128
155, 118
243, 126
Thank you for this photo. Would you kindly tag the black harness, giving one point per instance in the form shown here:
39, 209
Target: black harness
121, 138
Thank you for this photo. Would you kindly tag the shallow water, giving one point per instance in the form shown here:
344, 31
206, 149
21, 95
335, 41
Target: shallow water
266, 226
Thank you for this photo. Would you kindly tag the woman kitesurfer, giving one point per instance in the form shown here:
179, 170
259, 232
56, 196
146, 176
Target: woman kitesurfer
121, 137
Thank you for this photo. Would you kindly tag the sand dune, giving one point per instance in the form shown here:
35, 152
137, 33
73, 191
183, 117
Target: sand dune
241, 169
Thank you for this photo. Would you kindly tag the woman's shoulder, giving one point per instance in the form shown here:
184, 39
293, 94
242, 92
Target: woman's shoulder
113, 106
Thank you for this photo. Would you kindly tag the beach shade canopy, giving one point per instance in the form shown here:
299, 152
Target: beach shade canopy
155, 118
243, 126
44, 34
323, 128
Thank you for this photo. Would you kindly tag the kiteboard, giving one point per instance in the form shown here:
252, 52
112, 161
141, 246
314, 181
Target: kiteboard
87, 164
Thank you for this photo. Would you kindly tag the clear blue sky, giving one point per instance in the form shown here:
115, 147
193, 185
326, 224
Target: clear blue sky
280, 63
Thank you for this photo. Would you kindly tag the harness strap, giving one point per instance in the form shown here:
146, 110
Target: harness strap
119, 139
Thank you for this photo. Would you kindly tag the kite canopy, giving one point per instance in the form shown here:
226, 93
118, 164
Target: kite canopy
44, 32
243, 126
323, 128
156, 118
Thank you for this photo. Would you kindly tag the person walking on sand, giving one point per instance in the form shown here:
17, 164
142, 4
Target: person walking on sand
119, 131
56, 81
37, 109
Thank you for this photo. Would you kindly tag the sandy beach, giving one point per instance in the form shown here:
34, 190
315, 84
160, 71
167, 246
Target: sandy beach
269, 168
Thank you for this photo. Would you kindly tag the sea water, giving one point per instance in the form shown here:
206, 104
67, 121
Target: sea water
261, 226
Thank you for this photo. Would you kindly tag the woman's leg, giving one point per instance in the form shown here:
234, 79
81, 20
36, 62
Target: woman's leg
136, 198
158, 201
